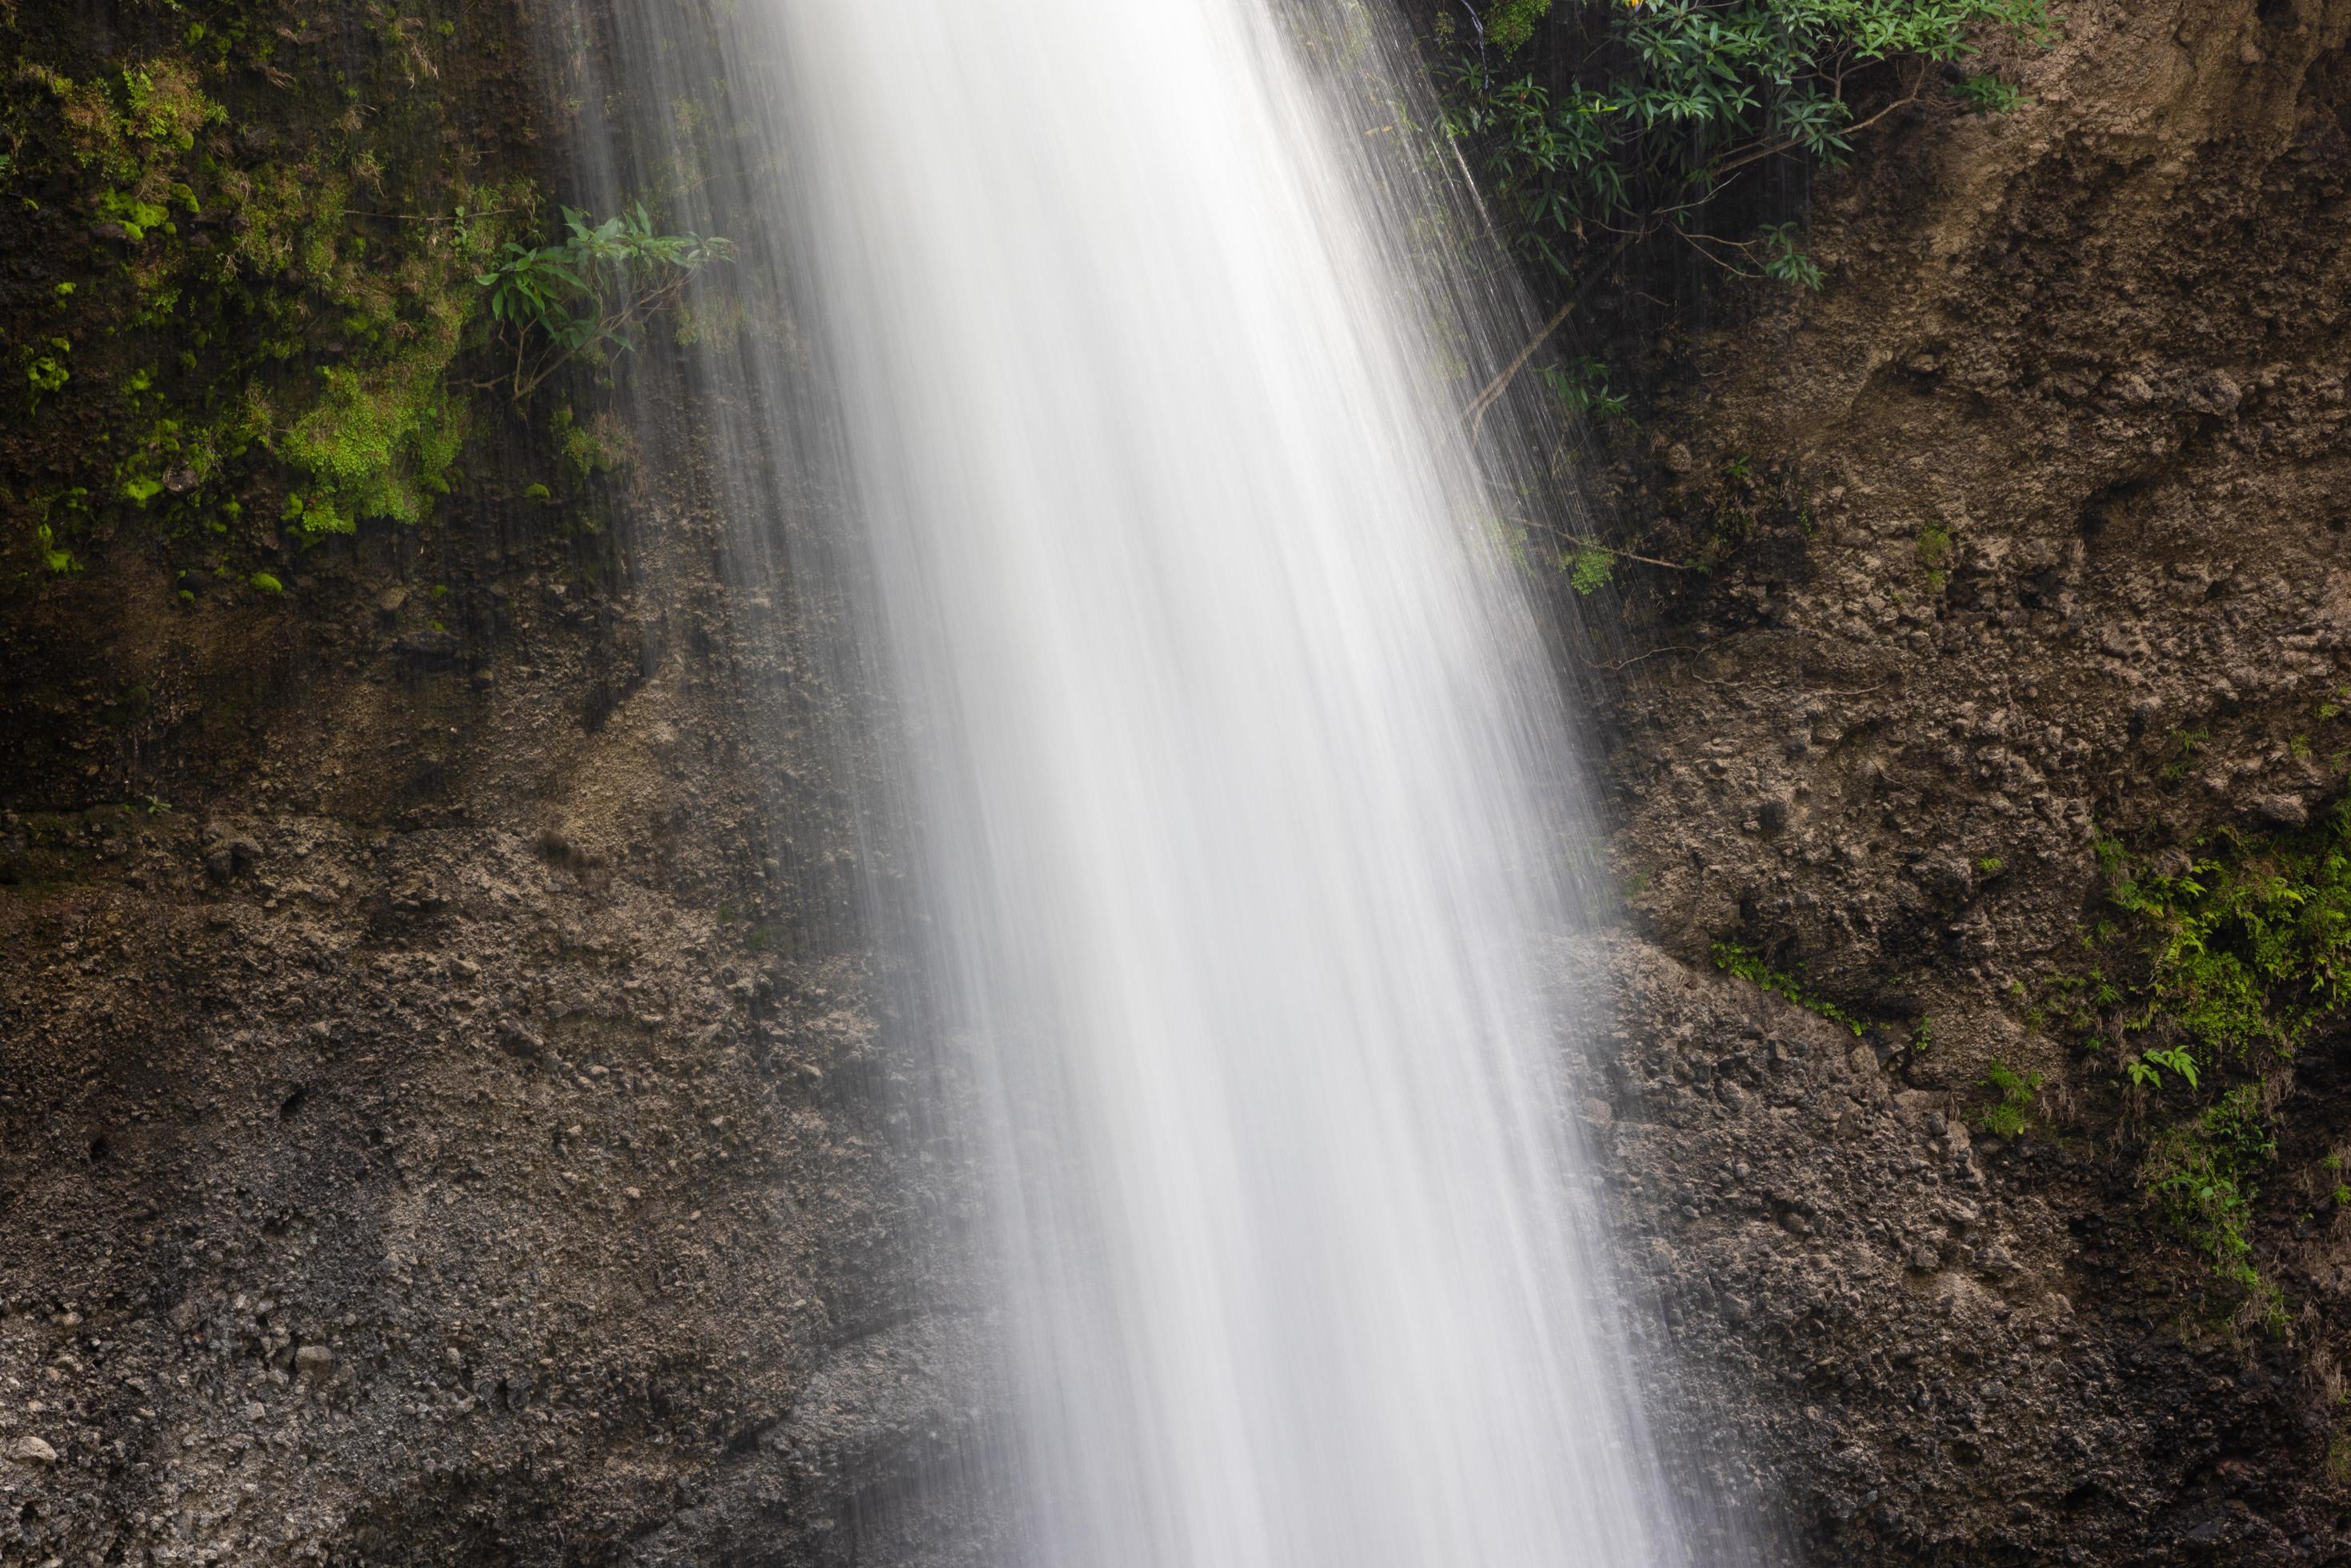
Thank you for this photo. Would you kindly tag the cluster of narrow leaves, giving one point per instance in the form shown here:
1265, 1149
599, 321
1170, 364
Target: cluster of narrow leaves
1667, 101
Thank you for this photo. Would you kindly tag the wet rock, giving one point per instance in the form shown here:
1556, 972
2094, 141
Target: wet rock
2280, 811
428, 649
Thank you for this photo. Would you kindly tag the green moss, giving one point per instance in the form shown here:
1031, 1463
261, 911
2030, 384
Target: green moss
586, 449
1511, 23
377, 445
1752, 967
290, 353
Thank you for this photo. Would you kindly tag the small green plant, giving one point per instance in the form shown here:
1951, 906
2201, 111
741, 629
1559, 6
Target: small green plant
1989, 866
1783, 261
1935, 542
1581, 385
265, 583
1753, 968
2219, 964
1511, 23
1990, 95
54, 556
586, 295
2248, 944
2182, 1065
2011, 1112
2111, 856
2201, 1171
1588, 571
2187, 740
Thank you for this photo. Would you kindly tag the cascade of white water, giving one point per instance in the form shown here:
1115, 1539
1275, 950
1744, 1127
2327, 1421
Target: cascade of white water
1234, 775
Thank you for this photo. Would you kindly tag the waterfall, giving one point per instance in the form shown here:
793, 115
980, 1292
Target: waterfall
1237, 801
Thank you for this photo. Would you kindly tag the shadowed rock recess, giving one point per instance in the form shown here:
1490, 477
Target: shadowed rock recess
447, 1109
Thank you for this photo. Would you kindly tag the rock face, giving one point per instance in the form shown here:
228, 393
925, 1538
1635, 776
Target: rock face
2061, 452
449, 1115
470, 1163
1896, 1339
2044, 502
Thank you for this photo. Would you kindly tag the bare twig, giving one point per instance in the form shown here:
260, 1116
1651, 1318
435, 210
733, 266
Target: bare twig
1616, 665
1476, 413
1480, 405
1580, 542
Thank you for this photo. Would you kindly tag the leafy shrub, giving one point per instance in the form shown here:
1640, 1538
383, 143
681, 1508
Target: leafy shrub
585, 296
1661, 105
1581, 385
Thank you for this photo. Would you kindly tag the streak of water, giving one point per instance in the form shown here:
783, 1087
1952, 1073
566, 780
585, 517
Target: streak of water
1234, 775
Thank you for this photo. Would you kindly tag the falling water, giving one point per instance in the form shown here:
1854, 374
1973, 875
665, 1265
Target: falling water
1234, 770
